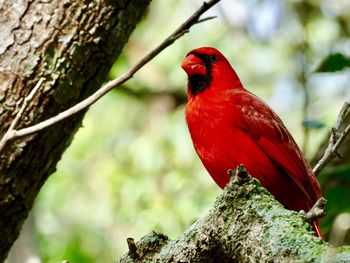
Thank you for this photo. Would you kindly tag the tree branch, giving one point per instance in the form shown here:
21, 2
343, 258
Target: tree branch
336, 138
246, 224
179, 32
26, 101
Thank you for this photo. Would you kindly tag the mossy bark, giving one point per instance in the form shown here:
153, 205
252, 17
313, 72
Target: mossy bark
73, 45
246, 224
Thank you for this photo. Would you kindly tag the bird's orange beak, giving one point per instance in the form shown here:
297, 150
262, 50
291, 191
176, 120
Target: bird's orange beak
193, 65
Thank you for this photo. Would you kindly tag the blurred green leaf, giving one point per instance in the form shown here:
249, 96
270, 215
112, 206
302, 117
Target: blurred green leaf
335, 183
334, 62
313, 124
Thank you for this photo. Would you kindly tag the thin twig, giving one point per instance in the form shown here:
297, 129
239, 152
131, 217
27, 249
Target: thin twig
9, 133
132, 248
336, 139
180, 31
316, 211
206, 19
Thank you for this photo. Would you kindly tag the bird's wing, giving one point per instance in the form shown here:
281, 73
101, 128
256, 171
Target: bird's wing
267, 129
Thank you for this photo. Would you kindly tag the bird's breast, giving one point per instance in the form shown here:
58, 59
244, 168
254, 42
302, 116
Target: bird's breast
214, 137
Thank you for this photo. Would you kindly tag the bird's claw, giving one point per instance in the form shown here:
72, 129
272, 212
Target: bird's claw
240, 174
317, 211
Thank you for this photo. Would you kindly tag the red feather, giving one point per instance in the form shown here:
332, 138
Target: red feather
229, 126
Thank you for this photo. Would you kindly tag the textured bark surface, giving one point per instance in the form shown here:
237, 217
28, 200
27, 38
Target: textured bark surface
246, 224
73, 45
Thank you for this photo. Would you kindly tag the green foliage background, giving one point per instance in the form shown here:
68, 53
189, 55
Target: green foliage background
132, 168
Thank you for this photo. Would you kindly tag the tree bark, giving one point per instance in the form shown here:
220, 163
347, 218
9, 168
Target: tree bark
246, 224
73, 45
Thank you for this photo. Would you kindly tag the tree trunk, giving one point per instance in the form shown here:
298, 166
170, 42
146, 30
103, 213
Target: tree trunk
73, 45
246, 224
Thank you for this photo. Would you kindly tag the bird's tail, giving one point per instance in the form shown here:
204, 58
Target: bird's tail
317, 229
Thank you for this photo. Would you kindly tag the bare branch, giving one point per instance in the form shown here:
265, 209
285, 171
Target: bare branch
316, 211
335, 140
180, 31
9, 133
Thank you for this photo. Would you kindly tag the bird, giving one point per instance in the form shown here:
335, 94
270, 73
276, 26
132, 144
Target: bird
230, 126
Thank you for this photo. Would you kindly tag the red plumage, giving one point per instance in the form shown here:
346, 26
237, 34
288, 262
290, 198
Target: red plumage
231, 126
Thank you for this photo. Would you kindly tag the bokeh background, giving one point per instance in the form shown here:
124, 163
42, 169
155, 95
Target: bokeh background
132, 168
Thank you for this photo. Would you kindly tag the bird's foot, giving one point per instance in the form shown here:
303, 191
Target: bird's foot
317, 211
240, 174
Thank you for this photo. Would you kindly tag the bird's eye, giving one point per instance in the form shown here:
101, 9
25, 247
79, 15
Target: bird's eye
213, 58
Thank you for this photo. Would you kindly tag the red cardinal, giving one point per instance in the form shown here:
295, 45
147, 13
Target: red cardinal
231, 126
